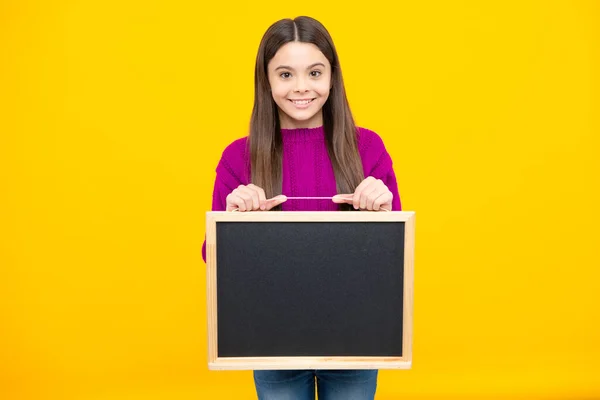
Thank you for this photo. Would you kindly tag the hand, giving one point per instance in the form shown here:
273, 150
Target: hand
251, 198
371, 194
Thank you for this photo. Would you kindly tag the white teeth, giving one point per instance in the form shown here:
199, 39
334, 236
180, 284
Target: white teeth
301, 102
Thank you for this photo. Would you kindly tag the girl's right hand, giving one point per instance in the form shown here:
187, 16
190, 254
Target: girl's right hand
251, 198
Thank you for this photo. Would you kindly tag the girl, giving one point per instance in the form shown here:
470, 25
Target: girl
303, 143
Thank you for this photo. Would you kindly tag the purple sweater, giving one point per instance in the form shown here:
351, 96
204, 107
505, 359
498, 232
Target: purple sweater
307, 170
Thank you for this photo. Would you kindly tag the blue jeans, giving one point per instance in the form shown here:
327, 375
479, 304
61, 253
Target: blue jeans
331, 384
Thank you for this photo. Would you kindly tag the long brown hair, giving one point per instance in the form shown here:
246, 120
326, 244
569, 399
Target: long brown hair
265, 142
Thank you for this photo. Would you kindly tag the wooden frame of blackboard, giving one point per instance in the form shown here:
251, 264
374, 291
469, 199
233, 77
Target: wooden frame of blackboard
215, 362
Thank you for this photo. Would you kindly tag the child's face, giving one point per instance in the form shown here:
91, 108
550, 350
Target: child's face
300, 79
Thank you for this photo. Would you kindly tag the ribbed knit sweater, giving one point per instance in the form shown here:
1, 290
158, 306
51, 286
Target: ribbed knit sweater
307, 169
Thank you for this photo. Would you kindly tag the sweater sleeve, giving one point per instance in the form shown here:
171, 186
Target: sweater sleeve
378, 163
232, 171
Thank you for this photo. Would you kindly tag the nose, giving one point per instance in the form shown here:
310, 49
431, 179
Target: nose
301, 85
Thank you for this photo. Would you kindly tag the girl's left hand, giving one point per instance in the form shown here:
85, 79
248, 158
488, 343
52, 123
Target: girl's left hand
371, 194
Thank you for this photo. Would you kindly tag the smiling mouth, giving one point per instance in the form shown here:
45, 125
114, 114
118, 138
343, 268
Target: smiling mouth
301, 102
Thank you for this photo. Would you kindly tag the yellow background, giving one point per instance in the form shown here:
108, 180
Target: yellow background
113, 115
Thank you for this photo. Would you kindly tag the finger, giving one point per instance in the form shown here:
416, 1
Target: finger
378, 188
246, 198
374, 194
367, 192
251, 190
262, 198
236, 201
231, 206
342, 198
358, 191
385, 199
275, 201
232, 201
253, 195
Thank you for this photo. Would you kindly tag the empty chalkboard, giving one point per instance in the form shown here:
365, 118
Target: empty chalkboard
310, 289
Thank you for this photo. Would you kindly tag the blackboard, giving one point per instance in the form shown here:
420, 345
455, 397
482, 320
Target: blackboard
310, 289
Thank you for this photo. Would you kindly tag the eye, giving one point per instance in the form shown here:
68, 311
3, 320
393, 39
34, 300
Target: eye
315, 74
285, 75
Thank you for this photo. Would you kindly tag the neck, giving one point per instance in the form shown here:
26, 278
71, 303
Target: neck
288, 123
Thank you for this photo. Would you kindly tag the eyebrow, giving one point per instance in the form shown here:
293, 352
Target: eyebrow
309, 67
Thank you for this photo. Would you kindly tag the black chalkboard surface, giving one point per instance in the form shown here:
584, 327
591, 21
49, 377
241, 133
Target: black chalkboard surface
310, 289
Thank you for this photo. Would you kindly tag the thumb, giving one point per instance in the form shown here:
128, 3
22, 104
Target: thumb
275, 201
342, 198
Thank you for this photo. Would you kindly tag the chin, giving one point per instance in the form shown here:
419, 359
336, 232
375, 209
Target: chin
301, 117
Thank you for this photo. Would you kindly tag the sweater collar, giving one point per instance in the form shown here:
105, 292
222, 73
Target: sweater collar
303, 134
